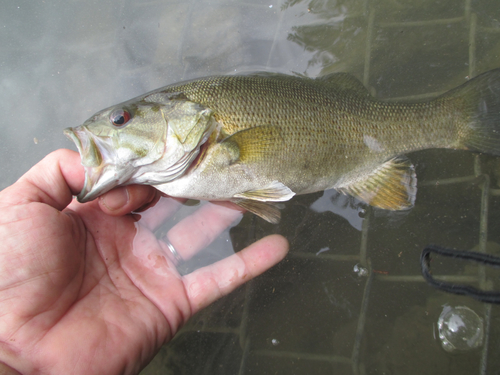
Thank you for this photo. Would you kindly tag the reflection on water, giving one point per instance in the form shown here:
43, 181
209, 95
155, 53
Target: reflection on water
313, 313
342, 205
460, 329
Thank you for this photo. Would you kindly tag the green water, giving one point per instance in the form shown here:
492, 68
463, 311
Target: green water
312, 314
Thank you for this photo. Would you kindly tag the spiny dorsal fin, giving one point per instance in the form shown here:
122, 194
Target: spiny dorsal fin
165, 97
392, 186
266, 210
344, 82
274, 192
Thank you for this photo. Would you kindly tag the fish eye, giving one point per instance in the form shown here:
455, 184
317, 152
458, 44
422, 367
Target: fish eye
119, 117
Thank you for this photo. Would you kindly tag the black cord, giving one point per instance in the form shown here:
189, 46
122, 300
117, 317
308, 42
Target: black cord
487, 259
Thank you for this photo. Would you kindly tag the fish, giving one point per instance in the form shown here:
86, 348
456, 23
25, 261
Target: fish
262, 138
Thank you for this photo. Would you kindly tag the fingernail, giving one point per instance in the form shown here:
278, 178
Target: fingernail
115, 199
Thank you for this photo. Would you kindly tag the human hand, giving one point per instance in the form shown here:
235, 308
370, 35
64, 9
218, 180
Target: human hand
84, 289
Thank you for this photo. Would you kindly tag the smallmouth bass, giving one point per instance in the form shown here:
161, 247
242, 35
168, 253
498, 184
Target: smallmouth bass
262, 138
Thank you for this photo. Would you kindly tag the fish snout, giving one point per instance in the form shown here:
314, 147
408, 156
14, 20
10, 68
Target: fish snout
99, 179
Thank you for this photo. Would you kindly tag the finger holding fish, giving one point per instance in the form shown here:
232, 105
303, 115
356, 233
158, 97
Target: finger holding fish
125, 199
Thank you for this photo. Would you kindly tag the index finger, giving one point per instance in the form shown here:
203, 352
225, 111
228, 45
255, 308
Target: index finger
207, 284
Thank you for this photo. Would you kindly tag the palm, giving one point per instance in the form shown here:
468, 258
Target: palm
77, 297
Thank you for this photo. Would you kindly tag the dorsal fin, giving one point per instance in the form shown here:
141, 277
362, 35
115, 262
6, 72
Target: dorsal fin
344, 82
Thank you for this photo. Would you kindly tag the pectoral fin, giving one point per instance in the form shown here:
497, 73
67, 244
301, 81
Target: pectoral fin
275, 192
262, 202
266, 210
257, 144
392, 186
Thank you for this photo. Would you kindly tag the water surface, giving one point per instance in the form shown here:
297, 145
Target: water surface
315, 313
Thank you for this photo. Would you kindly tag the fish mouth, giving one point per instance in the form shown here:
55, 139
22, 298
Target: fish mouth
99, 179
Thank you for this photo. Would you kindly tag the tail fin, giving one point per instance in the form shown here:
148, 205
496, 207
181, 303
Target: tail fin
480, 99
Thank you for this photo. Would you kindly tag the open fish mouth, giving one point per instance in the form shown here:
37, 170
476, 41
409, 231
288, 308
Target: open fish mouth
91, 156
99, 179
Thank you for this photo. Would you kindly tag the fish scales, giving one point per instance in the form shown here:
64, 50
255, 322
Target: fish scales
331, 127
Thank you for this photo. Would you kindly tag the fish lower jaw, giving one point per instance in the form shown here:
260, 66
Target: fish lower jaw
100, 180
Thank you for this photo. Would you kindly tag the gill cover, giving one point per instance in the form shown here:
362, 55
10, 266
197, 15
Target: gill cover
151, 139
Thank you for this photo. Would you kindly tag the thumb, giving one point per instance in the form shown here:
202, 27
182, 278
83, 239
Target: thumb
53, 181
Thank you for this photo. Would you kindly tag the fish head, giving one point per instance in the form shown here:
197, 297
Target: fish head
148, 140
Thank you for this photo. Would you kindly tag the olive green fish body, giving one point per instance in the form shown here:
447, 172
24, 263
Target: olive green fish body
277, 136
306, 134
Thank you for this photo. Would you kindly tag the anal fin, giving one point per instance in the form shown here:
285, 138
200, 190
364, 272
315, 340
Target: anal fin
392, 186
